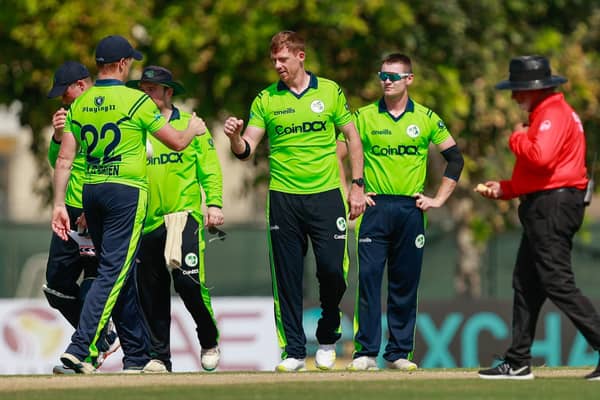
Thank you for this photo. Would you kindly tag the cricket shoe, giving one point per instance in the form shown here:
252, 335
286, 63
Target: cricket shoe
62, 370
133, 370
363, 363
506, 371
155, 366
403, 364
291, 364
209, 358
325, 357
594, 375
80, 367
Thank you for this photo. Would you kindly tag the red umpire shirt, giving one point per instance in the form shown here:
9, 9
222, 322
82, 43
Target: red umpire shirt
551, 153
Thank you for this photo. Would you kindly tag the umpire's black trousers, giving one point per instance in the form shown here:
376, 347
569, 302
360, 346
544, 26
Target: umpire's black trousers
550, 219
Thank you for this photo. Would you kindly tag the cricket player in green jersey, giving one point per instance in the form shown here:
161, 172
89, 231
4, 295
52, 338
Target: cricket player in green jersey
65, 263
176, 181
110, 122
299, 114
68, 260
396, 133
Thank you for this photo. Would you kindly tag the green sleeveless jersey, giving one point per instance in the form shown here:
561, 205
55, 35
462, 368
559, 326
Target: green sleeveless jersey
75, 185
395, 149
301, 133
110, 122
176, 179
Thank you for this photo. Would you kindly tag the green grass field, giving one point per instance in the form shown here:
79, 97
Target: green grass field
551, 383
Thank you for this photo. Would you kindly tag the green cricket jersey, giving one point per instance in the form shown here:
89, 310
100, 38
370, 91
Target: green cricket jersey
301, 132
110, 122
176, 179
395, 149
75, 185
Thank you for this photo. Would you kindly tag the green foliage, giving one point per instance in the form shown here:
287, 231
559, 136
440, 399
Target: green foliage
219, 50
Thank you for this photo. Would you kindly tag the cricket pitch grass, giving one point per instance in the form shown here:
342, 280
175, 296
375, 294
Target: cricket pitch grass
550, 383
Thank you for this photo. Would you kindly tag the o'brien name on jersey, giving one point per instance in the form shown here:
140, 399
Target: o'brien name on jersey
110, 169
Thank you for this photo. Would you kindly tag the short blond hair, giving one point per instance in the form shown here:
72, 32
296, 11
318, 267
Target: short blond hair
290, 39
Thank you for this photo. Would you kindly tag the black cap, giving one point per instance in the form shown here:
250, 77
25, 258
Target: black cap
159, 75
68, 73
114, 47
530, 73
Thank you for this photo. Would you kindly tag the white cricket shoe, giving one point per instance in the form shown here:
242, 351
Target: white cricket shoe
291, 365
403, 364
155, 366
325, 357
133, 370
363, 363
209, 358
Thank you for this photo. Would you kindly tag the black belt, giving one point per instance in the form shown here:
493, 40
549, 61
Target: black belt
534, 195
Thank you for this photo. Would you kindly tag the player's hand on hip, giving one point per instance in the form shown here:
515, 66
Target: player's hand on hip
357, 201
369, 199
424, 202
233, 127
61, 225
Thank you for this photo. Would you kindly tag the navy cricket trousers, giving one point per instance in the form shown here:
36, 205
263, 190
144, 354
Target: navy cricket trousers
154, 287
292, 219
115, 215
392, 231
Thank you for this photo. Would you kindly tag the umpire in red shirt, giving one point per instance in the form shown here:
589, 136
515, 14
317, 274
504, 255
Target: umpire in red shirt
550, 179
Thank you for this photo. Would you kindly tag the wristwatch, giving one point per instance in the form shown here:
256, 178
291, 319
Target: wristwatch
359, 181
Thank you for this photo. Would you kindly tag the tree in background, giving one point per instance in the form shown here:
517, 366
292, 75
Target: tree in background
219, 49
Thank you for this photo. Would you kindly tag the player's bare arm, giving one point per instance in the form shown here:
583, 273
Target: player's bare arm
61, 224
242, 146
356, 197
58, 123
454, 168
179, 140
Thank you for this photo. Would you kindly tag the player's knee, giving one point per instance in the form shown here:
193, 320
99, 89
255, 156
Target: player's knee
331, 273
57, 299
186, 285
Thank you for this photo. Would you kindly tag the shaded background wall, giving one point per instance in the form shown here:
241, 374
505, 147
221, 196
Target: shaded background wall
238, 266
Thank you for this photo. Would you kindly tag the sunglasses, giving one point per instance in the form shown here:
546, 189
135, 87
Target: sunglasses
220, 235
392, 76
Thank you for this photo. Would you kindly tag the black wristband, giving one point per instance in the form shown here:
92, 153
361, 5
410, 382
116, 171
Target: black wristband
246, 152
